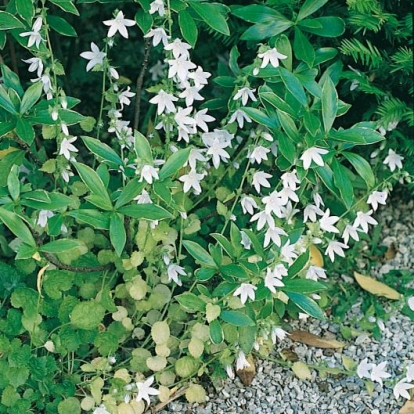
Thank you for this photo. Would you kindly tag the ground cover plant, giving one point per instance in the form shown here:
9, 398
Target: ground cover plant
172, 175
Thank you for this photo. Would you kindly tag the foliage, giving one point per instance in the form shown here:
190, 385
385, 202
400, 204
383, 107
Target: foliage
145, 241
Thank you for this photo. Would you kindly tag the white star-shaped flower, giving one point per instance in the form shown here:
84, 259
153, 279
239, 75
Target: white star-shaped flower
245, 94
273, 234
393, 160
315, 273
241, 361
192, 180
377, 197
199, 76
327, 222
240, 117
290, 180
66, 147
190, 94
260, 180
179, 48
200, 119
145, 390
363, 219
174, 271
313, 154
262, 218
44, 215
278, 333
378, 372
148, 173
158, 35
273, 279
119, 24
95, 57
350, 231
401, 387
157, 6
34, 36
271, 56
164, 101
245, 290
36, 65
310, 213
335, 247
180, 67
288, 253
258, 154
248, 204
124, 96
217, 152
410, 371
364, 369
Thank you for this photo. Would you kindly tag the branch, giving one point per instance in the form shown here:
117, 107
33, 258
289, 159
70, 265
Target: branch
80, 269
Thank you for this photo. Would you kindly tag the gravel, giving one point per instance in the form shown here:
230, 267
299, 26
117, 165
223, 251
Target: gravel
276, 390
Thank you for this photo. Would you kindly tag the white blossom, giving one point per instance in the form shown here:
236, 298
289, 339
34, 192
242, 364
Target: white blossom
179, 49
350, 231
157, 6
148, 173
34, 36
240, 117
273, 234
273, 279
44, 215
278, 333
245, 94
174, 271
335, 247
145, 390
401, 389
119, 24
290, 179
66, 147
200, 119
164, 102
101, 410
190, 94
241, 361
158, 35
248, 204
262, 218
124, 96
245, 290
313, 154
95, 57
192, 180
36, 65
363, 219
364, 369
393, 160
327, 222
378, 372
218, 152
377, 197
310, 212
288, 253
271, 56
258, 154
180, 68
315, 273
199, 76
260, 180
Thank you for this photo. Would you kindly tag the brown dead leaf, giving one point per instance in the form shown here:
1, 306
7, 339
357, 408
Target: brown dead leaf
310, 339
301, 370
316, 258
408, 408
246, 375
288, 354
376, 288
391, 252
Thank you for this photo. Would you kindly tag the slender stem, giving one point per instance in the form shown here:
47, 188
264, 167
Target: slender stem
100, 121
140, 81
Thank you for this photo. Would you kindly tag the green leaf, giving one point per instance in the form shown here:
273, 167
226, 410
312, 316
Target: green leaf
199, 253
216, 332
224, 243
25, 9
93, 182
303, 48
211, 14
5, 101
256, 13
145, 211
289, 126
144, 20
326, 175
11, 80
30, 97
25, 131
236, 318
261, 31
13, 183
129, 192
102, 151
293, 86
66, 5
247, 337
17, 226
174, 163
41, 200
276, 101
87, 315
5, 128
234, 270
142, 148
204, 273
188, 27
310, 7
8, 21
191, 302
329, 104
94, 218
302, 286
362, 167
25, 298
327, 26
287, 149
117, 233
59, 246
61, 26
55, 282
306, 304
343, 182
70, 405
298, 265
260, 117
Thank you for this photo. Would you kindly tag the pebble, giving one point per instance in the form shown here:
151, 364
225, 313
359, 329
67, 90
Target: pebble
276, 390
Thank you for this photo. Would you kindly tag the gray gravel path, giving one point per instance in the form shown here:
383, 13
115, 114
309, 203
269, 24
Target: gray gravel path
276, 390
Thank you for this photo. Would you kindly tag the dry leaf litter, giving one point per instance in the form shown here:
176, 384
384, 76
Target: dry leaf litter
276, 390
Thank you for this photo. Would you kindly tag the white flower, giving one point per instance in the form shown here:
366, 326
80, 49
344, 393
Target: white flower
350, 231
44, 215
278, 333
317, 199
50, 346
111, 360
101, 410
410, 372
179, 48
273, 278
290, 179
66, 173
200, 119
180, 67
327, 222
36, 65
274, 203
217, 152
196, 154
34, 36
245, 290
245, 241
164, 101
310, 213
124, 96
273, 234
315, 272
66, 147
119, 25
377, 197
335, 247
313, 154
401, 387
157, 6
364, 368
145, 390
192, 180
230, 372
174, 271
245, 94
288, 253
393, 160
363, 219
378, 372
143, 198
260, 180
287, 193
159, 35
271, 56
410, 302
248, 204
242, 361
190, 93
148, 173
157, 71
239, 116
258, 154
199, 76
262, 218
95, 57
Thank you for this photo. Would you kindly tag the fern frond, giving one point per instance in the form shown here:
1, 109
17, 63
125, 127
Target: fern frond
392, 110
363, 6
403, 60
366, 55
366, 22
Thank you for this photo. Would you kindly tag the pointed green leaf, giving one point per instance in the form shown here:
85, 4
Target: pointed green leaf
30, 97
303, 48
94, 218
362, 167
61, 26
59, 246
327, 26
129, 192
117, 233
188, 27
25, 131
310, 7
8, 21
142, 148
329, 104
102, 151
306, 304
17, 226
236, 318
211, 14
5, 101
293, 86
343, 182
25, 8
174, 163
216, 332
145, 211
199, 254
191, 302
